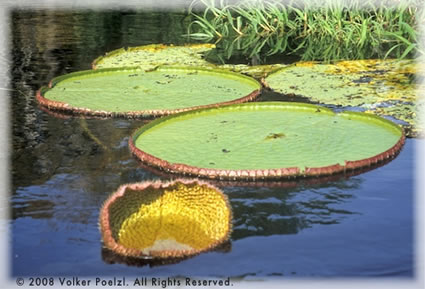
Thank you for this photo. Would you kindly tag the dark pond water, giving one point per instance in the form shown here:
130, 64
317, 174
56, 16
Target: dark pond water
63, 169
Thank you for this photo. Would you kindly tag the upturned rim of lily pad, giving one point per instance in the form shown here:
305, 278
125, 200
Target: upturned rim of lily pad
110, 243
276, 183
272, 174
63, 107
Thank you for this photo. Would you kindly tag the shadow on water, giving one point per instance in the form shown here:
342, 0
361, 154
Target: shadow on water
64, 168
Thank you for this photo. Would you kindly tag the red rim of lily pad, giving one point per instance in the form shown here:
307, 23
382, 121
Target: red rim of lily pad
275, 183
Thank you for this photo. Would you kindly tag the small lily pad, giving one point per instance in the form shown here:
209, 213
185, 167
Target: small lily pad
165, 219
367, 84
266, 140
134, 92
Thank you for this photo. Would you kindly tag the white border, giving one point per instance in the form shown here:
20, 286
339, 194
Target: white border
4, 144
7, 5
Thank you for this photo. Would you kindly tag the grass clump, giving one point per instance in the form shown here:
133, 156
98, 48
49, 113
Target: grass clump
311, 29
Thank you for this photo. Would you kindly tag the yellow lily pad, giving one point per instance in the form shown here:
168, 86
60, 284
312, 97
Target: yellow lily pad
165, 220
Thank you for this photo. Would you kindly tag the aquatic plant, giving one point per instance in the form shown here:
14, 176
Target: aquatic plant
266, 140
150, 56
384, 87
165, 220
313, 30
134, 92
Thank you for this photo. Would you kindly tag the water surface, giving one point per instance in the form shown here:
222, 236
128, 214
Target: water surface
64, 168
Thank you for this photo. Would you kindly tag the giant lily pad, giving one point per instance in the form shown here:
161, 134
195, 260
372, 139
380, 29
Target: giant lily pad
370, 85
150, 56
266, 140
135, 92
165, 220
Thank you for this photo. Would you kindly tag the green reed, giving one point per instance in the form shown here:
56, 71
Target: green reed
311, 29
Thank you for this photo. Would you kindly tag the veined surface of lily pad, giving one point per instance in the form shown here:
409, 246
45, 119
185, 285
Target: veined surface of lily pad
367, 84
165, 220
150, 56
266, 140
134, 92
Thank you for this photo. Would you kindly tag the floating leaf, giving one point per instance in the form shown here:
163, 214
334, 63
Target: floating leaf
266, 140
133, 92
366, 84
150, 56
165, 220
404, 113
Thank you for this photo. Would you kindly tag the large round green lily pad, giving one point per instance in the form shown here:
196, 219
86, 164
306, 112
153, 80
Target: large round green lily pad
382, 87
135, 92
266, 140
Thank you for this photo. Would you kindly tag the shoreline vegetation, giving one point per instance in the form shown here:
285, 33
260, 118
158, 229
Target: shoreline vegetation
309, 29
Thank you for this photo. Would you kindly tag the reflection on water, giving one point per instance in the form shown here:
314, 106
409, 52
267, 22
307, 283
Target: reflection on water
110, 257
270, 211
64, 168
